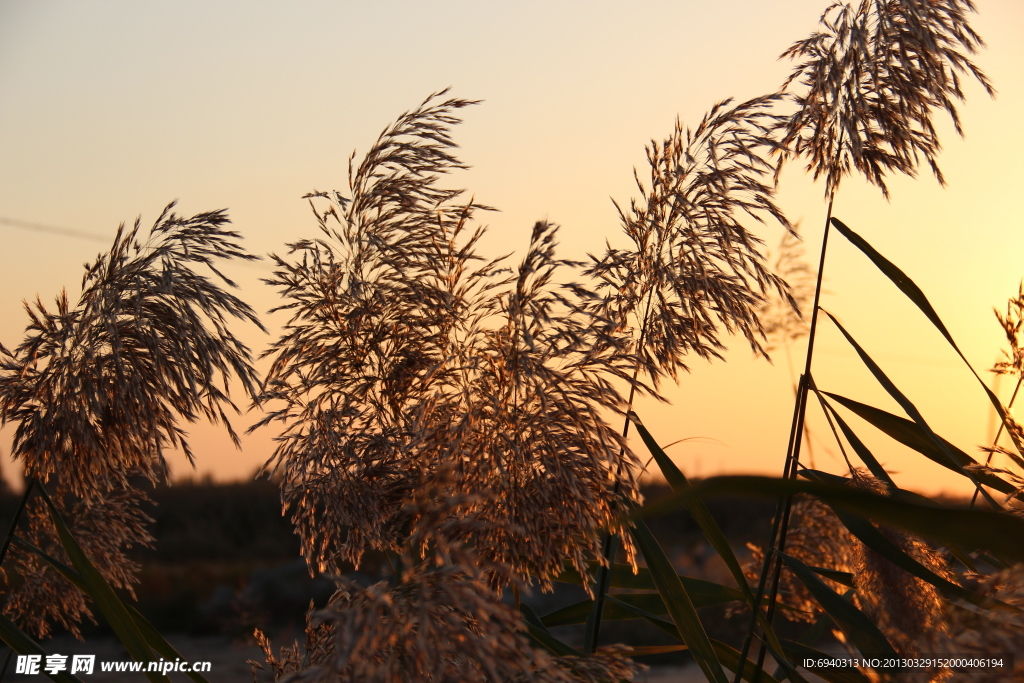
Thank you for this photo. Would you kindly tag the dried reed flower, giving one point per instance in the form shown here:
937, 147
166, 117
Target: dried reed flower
98, 390
872, 77
783, 318
693, 266
1011, 324
439, 621
985, 632
818, 539
408, 354
105, 528
909, 611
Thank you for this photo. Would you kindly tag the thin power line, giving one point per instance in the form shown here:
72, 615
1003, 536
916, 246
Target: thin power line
96, 237
67, 232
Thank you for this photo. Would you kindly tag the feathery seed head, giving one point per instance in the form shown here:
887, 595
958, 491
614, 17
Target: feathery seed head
870, 79
408, 355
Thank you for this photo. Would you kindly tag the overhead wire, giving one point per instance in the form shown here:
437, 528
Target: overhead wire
92, 236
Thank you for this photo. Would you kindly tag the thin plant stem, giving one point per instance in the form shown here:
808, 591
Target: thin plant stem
832, 426
807, 428
610, 546
781, 521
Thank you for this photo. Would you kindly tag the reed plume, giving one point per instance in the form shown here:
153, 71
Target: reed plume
867, 85
439, 621
98, 391
408, 354
818, 539
783, 318
909, 611
983, 633
694, 269
1012, 322
871, 79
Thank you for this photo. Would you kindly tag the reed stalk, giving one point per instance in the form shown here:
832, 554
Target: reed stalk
872, 77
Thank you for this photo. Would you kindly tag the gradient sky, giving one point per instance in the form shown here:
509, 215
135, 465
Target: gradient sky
109, 110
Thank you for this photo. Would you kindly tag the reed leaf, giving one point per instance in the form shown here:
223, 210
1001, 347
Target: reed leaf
904, 402
152, 636
860, 630
858, 446
677, 480
914, 293
677, 601
22, 643
729, 656
874, 539
911, 434
969, 529
577, 613
622, 576
845, 578
103, 595
538, 633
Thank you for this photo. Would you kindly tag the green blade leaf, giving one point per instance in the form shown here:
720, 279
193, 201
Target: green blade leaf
898, 278
912, 436
622, 576
700, 513
820, 625
914, 293
539, 634
153, 637
594, 619
866, 532
103, 595
859, 448
729, 656
679, 605
970, 529
854, 623
24, 644
898, 395
577, 613
845, 578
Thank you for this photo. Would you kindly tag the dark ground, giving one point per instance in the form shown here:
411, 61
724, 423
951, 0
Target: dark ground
226, 562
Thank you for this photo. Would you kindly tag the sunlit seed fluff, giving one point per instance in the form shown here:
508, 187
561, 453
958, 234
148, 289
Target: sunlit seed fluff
908, 610
438, 622
817, 538
407, 353
99, 389
979, 632
869, 81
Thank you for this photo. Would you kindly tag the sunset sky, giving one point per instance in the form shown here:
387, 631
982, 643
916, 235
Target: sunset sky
109, 110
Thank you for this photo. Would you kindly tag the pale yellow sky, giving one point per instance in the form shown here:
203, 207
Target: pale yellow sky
111, 109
